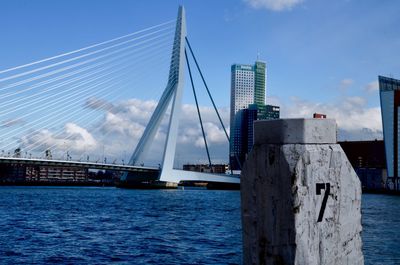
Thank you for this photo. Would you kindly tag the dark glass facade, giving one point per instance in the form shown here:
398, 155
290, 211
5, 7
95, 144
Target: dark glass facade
389, 90
244, 121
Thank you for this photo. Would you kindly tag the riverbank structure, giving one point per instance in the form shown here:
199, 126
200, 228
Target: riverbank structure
389, 91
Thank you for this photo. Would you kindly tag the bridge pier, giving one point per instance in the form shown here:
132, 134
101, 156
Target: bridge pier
301, 199
145, 180
147, 185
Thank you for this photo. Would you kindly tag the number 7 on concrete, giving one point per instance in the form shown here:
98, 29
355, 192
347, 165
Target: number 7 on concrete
327, 188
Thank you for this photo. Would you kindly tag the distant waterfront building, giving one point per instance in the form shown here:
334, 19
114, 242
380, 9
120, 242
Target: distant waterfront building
215, 168
248, 85
389, 90
41, 174
369, 161
319, 116
56, 174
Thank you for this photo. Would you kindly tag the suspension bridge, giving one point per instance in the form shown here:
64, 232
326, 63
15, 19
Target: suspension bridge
38, 97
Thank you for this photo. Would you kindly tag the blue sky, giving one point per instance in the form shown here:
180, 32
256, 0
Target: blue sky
310, 48
322, 56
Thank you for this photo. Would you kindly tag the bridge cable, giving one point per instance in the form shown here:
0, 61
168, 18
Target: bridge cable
198, 110
212, 101
66, 107
85, 55
47, 88
104, 104
61, 84
44, 120
76, 65
80, 92
208, 91
62, 91
101, 106
86, 48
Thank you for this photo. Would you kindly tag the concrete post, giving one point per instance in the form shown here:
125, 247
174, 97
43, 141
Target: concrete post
301, 199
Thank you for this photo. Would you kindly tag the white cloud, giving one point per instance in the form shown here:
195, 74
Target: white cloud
345, 83
191, 130
273, 101
123, 123
373, 86
356, 121
73, 138
79, 137
274, 5
215, 134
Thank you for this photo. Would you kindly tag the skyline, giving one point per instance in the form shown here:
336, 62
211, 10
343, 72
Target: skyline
331, 69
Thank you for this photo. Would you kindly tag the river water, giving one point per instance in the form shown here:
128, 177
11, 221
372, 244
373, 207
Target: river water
83, 225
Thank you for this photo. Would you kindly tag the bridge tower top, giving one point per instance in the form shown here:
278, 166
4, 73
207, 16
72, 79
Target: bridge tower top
173, 92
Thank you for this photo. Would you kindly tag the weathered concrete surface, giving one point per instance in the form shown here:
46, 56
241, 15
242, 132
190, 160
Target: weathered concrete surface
280, 206
295, 131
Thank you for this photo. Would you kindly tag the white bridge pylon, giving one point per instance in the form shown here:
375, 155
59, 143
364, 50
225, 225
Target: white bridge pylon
173, 92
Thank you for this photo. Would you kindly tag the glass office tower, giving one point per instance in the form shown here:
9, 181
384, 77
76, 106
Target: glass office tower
389, 90
242, 95
248, 84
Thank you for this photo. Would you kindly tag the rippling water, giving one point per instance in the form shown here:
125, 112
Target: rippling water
47, 225
103, 225
381, 229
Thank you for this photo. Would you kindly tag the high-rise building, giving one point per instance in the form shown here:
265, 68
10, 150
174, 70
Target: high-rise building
242, 95
242, 88
248, 83
389, 90
259, 83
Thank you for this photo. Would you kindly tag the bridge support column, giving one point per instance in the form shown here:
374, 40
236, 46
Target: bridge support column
172, 96
301, 199
148, 185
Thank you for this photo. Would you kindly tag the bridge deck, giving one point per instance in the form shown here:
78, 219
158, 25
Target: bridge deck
78, 164
139, 172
